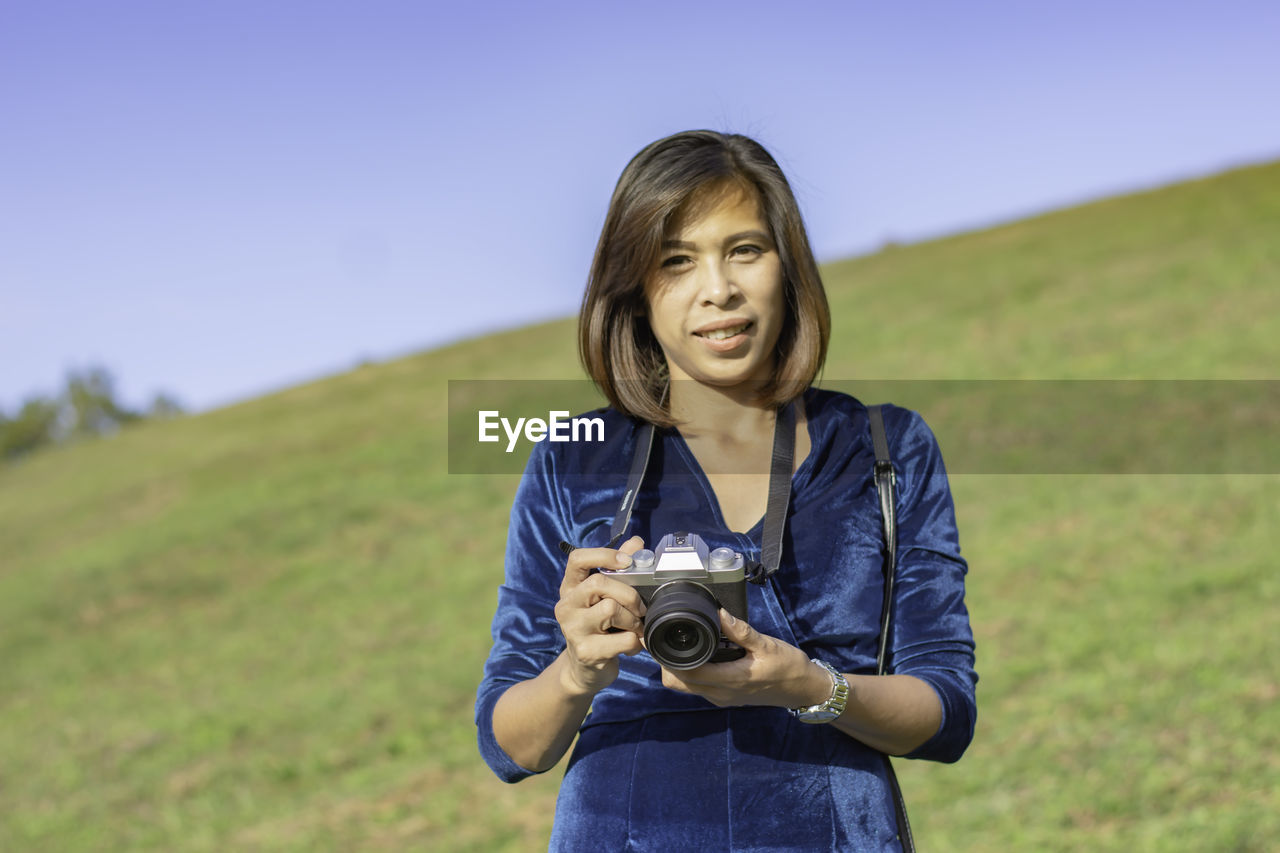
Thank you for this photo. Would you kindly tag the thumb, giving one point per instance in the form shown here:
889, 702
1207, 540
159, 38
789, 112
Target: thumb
738, 630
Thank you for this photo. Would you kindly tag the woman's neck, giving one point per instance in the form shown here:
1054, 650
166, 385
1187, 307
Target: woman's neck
735, 413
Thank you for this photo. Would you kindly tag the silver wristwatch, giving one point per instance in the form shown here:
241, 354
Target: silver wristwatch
834, 706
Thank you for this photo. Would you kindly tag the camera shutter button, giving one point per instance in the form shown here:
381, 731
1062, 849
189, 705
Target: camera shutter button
642, 559
723, 558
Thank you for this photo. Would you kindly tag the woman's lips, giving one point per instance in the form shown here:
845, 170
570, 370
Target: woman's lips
724, 337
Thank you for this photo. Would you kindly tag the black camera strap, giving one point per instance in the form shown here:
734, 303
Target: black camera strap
775, 513
775, 509
886, 483
639, 463
886, 488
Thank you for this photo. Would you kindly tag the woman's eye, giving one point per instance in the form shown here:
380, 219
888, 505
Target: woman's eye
746, 251
675, 261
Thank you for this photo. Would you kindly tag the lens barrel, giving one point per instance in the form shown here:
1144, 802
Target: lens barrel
682, 625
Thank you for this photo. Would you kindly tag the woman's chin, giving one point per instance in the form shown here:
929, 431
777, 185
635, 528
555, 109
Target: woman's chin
726, 376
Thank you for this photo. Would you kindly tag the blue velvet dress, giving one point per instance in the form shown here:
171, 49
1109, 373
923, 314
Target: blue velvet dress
658, 770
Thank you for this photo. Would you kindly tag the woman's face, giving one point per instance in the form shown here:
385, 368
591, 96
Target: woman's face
715, 302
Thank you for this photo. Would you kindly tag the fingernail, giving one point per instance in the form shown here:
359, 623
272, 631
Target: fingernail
730, 618
624, 560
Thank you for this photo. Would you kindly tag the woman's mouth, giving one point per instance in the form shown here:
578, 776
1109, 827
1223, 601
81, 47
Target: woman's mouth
725, 333
724, 339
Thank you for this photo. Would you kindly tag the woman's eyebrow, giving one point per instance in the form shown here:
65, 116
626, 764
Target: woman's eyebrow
753, 234
678, 244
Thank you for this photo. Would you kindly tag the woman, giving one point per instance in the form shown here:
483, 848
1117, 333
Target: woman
705, 316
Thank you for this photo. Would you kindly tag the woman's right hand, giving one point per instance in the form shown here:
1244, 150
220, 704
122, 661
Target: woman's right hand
601, 617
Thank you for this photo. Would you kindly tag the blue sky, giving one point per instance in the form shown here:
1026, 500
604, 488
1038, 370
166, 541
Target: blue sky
220, 199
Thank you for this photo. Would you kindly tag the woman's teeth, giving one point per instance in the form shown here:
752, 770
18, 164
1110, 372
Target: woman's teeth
721, 334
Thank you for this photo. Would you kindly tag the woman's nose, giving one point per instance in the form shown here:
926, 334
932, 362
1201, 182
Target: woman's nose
717, 285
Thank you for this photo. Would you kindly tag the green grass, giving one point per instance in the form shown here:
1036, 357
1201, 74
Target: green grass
262, 627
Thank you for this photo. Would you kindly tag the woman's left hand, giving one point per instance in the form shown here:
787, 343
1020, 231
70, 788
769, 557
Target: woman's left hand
771, 673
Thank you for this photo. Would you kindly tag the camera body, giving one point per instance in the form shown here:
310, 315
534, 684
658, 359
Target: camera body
683, 585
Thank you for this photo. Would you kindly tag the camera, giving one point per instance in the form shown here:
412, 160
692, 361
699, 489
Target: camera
683, 587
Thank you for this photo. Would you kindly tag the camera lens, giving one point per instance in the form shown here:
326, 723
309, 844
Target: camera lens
681, 637
682, 626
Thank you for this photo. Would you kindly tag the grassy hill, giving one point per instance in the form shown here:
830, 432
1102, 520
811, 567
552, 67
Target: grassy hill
261, 627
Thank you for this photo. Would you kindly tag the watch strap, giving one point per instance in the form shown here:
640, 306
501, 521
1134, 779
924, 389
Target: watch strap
825, 712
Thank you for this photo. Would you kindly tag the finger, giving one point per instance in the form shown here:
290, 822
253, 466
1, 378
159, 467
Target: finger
602, 647
600, 586
609, 613
579, 619
635, 543
739, 631
583, 561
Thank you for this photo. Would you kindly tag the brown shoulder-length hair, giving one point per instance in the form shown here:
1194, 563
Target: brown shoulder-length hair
615, 342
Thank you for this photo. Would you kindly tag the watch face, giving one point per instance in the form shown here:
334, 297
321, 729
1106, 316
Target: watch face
816, 716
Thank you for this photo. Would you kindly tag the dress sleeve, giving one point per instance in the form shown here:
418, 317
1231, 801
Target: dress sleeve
526, 636
930, 636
